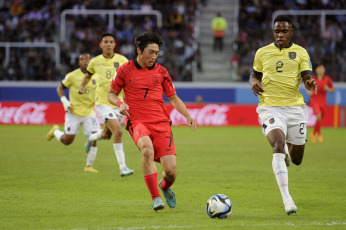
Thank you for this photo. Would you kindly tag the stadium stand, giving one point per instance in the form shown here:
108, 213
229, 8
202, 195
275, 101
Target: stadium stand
39, 21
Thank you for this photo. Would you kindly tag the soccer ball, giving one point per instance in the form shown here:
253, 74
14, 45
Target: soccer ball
219, 206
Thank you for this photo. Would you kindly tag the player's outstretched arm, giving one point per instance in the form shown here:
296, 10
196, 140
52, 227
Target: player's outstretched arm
180, 106
85, 81
255, 83
114, 99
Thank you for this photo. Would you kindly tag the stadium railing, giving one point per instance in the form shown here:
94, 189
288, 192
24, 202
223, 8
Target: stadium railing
110, 14
322, 13
53, 45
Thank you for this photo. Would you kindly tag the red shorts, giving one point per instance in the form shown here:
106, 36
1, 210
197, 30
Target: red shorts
318, 108
159, 133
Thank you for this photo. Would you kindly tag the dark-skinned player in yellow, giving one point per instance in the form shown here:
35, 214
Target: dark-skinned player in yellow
278, 70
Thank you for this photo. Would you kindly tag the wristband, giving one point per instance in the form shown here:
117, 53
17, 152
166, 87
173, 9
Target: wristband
65, 103
119, 103
64, 100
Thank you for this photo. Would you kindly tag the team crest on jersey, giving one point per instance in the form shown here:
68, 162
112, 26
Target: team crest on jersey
292, 55
155, 80
116, 65
93, 81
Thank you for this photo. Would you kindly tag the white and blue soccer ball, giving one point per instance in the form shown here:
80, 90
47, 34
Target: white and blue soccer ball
219, 206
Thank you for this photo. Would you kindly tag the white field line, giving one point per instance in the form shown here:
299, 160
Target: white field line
219, 225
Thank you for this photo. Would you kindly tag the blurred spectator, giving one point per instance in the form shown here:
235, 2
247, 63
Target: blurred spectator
199, 99
39, 21
198, 58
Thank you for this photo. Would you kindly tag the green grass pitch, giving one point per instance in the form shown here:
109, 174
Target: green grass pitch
43, 185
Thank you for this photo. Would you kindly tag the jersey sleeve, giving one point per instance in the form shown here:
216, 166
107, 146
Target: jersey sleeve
330, 83
257, 64
305, 64
67, 81
118, 81
90, 69
168, 86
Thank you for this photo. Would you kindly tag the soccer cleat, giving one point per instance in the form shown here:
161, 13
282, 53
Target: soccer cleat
50, 134
287, 156
170, 196
158, 204
290, 207
126, 172
320, 138
88, 143
90, 169
313, 138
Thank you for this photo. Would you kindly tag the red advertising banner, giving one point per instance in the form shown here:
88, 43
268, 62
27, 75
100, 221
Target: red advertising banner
217, 114
33, 113
236, 115
329, 119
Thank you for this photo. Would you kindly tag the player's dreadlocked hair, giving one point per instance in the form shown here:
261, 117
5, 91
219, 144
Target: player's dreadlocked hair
284, 18
145, 39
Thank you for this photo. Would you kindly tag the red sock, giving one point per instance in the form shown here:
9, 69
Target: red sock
151, 181
165, 185
315, 129
318, 127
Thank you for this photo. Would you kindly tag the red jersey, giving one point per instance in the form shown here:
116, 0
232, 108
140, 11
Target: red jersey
321, 96
143, 91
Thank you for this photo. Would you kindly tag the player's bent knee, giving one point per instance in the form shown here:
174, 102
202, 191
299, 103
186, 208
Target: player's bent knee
118, 133
296, 161
147, 154
171, 173
278, 147
67, 142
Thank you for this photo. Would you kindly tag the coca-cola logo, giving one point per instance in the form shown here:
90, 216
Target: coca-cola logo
211, 114
26, 113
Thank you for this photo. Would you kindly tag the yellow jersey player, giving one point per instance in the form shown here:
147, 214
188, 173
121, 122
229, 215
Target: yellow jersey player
278, 70
79, 110
102, 68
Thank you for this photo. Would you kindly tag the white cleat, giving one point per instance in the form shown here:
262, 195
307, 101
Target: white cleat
290, 207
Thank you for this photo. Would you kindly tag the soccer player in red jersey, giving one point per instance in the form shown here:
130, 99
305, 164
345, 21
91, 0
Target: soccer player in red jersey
319, 101
148, 121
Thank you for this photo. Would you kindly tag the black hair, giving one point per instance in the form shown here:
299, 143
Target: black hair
318, 64
284, 18
107, 34
146, 38
84, 54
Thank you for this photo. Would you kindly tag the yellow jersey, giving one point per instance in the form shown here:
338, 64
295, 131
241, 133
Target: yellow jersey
82, 104
103, 70
282, 71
